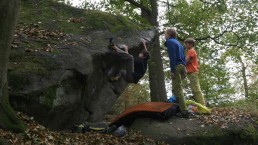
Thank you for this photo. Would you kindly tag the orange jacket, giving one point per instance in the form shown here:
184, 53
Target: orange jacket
192, 65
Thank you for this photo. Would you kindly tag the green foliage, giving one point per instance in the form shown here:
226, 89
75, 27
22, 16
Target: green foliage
243, 36
125, 8
214, 82
121, 8
232, 30
249, 105
94, 5
194, 18
253, 92
245, 69
133, 95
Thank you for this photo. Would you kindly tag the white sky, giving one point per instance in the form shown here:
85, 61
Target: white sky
78, 2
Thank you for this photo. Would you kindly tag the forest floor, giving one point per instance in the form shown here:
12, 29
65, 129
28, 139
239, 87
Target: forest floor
38, 134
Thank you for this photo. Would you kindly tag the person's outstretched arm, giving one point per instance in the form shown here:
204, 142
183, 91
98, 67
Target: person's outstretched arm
125, 48
116, 49
144, 45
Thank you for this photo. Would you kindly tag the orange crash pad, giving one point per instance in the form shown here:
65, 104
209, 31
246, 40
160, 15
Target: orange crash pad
159, 110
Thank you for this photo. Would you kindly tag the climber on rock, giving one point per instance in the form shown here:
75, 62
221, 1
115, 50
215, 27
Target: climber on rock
123, 62
132, 69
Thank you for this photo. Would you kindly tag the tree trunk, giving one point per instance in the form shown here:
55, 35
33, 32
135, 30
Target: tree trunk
156, 71
156, 74
8, 11
243, 71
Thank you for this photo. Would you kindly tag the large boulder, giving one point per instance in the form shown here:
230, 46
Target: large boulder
70, 85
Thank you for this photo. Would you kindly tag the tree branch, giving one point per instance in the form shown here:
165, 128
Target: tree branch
216, 37
132, 2
166, 3
207, 37
205, 2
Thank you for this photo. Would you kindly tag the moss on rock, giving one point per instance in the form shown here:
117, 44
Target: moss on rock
53, 15
107, 21
232, 135
249, 134
47, 97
